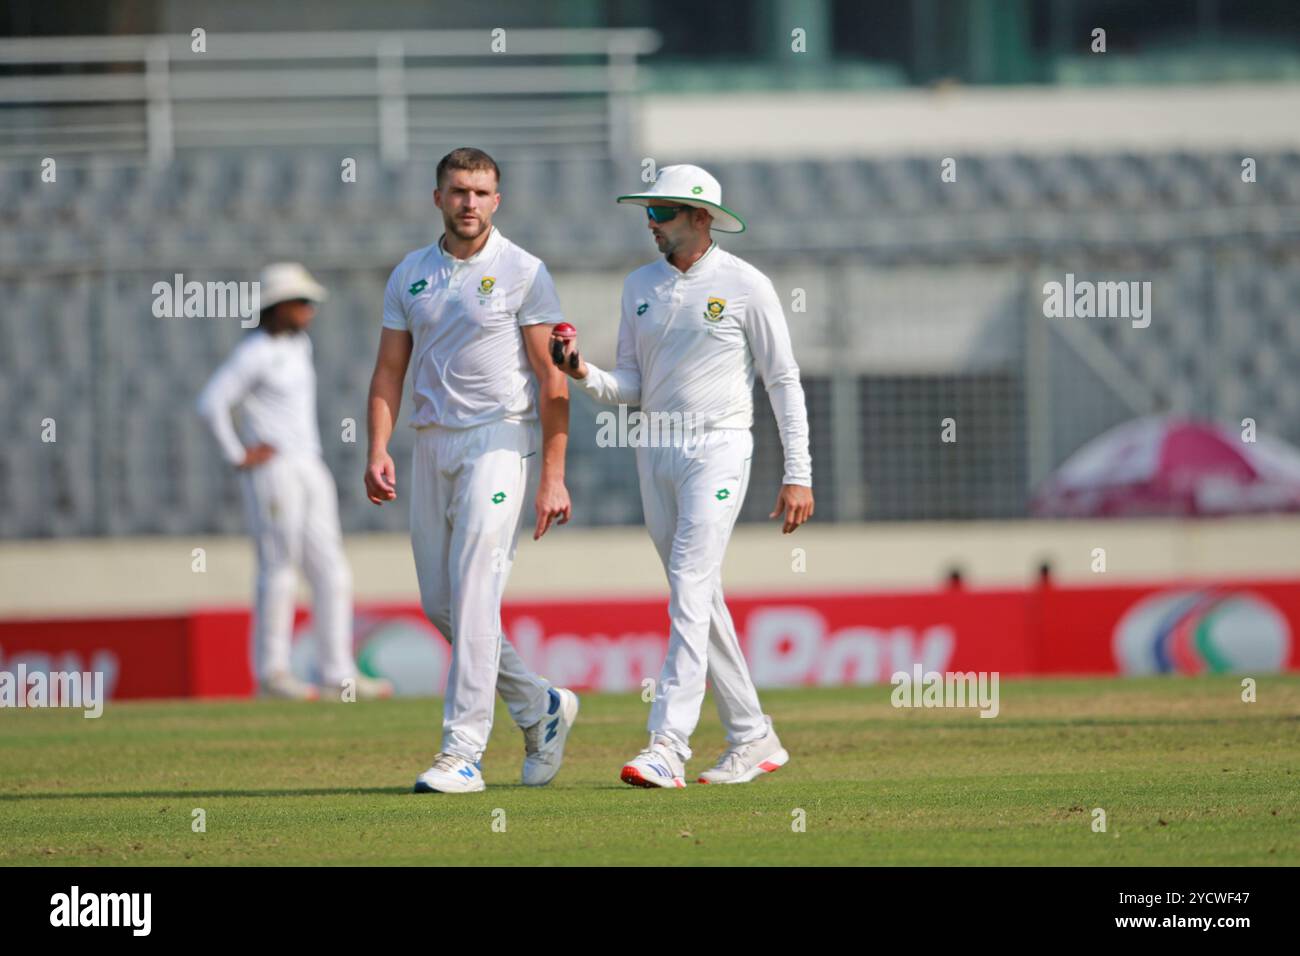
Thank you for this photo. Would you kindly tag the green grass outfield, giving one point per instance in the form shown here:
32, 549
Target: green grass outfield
1186, 772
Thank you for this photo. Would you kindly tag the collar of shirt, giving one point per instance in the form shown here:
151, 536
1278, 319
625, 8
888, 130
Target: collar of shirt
701, 266
493, 240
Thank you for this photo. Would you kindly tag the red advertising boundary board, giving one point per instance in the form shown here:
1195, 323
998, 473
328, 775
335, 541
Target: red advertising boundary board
192, 655
1188, 628
789, 640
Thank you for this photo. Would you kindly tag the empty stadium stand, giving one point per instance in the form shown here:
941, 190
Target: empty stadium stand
923, 302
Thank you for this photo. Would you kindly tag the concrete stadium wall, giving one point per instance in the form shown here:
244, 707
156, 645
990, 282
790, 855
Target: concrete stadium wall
950, 121
70, 577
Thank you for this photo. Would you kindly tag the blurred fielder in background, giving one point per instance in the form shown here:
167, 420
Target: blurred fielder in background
695, 325
289, 495
475, 311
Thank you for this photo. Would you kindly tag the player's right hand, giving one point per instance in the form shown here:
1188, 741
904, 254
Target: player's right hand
255, 456
796, 503
564, 353
552, 503
381, 479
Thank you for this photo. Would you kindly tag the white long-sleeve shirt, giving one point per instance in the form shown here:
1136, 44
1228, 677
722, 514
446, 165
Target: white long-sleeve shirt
691, 342
271, 381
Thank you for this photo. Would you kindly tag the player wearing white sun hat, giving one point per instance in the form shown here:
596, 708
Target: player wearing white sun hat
289, 495
696, 326
689, 186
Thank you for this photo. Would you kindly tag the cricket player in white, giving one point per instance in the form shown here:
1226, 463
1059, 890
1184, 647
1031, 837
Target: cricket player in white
696, 325
473, 313
289, 494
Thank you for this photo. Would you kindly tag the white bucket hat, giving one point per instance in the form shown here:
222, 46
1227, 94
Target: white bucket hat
690, 186
282, 281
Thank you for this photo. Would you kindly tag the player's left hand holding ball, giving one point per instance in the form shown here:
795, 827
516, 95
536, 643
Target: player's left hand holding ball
796, 503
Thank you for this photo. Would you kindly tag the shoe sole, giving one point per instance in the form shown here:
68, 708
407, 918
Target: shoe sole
771, 765
422, 787
271, 695
568, 716
631, 775
385, 692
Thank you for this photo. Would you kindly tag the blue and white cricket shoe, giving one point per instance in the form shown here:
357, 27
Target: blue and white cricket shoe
656, 766
451, 773
544, 740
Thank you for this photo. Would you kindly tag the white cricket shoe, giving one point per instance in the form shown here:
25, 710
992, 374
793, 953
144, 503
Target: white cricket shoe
656, 766
363, 688
450, 773
544, 740
745, 762
287, 687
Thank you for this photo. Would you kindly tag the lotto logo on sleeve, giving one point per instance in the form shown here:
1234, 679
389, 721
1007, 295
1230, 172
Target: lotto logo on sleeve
418, 287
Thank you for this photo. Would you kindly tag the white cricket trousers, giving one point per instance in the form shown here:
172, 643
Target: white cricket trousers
470, 492
292, 508
691, 496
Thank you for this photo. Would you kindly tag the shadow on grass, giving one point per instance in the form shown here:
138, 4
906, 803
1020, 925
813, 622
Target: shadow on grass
299, 792
185, 794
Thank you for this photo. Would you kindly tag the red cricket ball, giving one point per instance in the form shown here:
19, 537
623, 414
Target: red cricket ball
564, 331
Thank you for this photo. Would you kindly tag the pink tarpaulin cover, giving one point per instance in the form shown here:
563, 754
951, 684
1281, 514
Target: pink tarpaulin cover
1170, 465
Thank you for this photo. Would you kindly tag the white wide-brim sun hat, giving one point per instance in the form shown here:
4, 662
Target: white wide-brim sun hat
284, 281
690, 186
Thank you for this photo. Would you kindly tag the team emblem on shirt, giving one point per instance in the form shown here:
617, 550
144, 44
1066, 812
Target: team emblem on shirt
486, 285
714, 310
418, 287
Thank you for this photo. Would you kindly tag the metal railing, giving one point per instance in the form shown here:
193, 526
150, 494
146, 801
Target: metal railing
531, 91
